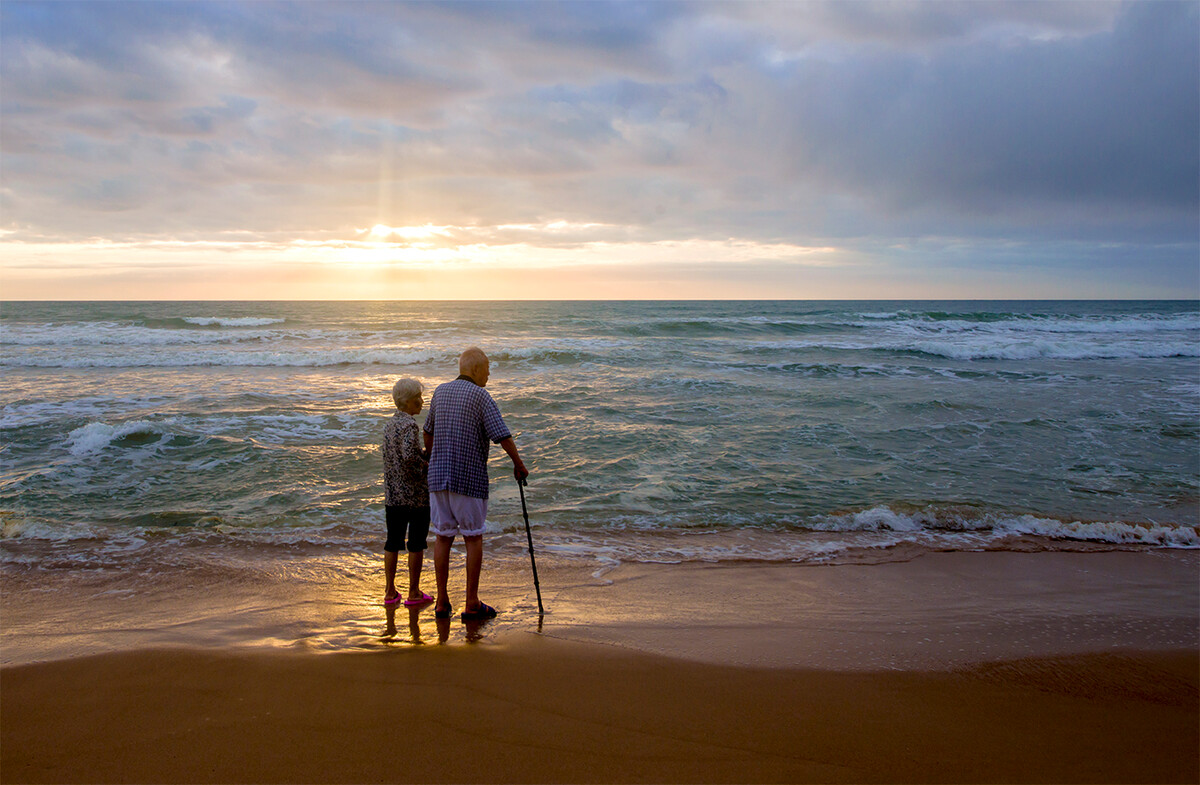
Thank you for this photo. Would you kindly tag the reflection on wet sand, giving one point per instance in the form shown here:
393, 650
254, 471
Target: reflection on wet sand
473, 629
414, 626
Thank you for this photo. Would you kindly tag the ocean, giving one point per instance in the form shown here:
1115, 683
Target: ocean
137, 436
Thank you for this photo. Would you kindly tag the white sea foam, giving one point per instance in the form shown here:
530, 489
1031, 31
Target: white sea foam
299, 358
17, 526
567, 349
233, 321
879, 534
1134, 325
875, 519
17, 415
876, 535
1103, 531
1057, 323
304, 428
937, 522
1035, 349
999, 348
90, 334
95, 436
1140, 324
109, 334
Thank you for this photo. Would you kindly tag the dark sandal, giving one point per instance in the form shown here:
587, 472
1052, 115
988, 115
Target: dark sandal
438, 613
484, 611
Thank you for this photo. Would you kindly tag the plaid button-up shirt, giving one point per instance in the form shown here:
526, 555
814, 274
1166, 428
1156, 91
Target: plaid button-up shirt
463, 418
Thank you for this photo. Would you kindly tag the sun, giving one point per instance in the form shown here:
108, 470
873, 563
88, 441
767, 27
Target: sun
383, 232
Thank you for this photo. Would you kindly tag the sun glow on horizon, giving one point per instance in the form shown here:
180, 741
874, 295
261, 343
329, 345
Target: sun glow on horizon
554, 243
383, 232
444, 261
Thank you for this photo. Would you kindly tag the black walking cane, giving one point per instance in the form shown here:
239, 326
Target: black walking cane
529, 537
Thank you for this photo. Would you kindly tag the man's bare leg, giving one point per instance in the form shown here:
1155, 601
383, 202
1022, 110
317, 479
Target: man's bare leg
474, 567
441, 570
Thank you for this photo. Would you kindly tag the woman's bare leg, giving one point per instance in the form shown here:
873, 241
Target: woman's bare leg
389, 574
414, 574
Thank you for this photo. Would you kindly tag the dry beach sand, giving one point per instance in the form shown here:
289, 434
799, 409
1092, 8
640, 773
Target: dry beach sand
966, 667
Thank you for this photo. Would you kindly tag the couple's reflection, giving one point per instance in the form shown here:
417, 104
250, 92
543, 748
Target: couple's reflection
414, 623
473, 627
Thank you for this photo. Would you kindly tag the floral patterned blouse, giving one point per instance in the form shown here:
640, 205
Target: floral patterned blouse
404, 470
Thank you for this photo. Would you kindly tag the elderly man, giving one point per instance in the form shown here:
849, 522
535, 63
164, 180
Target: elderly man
462, 420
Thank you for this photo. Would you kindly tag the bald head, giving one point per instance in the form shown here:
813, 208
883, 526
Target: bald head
474, 363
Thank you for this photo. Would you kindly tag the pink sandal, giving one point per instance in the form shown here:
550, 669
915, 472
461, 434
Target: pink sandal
425, 599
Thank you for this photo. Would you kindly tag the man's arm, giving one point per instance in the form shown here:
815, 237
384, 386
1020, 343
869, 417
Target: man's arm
519, 470
428, 444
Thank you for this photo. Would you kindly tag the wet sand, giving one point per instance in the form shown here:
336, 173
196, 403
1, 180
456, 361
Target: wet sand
542, 710
962, 667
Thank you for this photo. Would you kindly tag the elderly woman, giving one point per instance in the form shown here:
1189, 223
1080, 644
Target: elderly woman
405, 493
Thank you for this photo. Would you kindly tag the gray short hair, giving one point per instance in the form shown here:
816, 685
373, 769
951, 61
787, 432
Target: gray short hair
405, 390
471, 360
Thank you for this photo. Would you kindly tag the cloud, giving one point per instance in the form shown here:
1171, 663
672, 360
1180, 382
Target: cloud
1109, 120
857, 125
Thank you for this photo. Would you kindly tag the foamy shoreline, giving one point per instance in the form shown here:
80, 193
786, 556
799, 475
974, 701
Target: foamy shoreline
937, 611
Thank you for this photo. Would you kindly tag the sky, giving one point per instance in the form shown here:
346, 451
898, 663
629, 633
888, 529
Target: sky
599, 150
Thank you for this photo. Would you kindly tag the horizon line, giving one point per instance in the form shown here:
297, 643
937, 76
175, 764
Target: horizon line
627, 300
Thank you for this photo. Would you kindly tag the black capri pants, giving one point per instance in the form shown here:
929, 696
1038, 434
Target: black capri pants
414, 521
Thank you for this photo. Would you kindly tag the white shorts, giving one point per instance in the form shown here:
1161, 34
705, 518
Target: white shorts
452, 513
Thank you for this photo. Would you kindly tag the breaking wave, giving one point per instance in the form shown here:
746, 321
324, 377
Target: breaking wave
303, 358
233, 321
95, 436
998, 525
